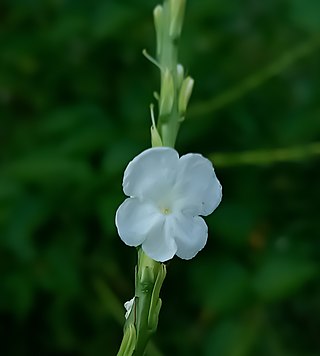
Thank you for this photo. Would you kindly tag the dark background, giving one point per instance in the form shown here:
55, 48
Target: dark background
74, 97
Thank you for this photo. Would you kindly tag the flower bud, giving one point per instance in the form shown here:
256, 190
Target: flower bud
176, 17
185, 93
155, 137
158, 24
167, 93
180, 74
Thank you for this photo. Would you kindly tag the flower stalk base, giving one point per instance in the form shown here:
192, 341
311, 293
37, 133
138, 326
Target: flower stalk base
142, 321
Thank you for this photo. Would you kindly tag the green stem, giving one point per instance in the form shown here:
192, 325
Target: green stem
149, 279
143, 319
167, 57
267, 157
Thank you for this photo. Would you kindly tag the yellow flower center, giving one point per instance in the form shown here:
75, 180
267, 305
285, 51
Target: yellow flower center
166, 211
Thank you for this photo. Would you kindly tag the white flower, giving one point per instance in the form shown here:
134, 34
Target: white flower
128, 306
167, 195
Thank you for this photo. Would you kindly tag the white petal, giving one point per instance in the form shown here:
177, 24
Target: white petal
190, 234
128, 306
151, 173
159, 244
135, 219
197, 188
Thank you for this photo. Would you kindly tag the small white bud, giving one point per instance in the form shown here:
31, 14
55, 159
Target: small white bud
180, 74
185, 94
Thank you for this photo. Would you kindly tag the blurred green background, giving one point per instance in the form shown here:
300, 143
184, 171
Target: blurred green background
74, 97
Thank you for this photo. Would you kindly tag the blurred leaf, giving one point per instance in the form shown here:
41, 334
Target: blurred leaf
220, 285
17, 293
234, 222
66, 119
58, 270
280, 276
85, 141
26, 217
118, 156
300, 127
107, 207
8, 189
111, 17
234, 337
305, 14
49, 168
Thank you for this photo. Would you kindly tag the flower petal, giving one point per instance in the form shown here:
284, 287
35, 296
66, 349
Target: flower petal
128, 306
198, 190
159, 244
190, 235
135, 219
151, 173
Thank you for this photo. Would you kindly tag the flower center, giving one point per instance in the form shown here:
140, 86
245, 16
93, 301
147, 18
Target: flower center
165, 211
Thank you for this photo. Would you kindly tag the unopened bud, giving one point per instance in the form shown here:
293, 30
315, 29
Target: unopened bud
176, 17
180, 74
158, 24
166, 94
185, 94
155, 137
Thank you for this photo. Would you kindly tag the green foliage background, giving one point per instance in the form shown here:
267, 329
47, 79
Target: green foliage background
74, 97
